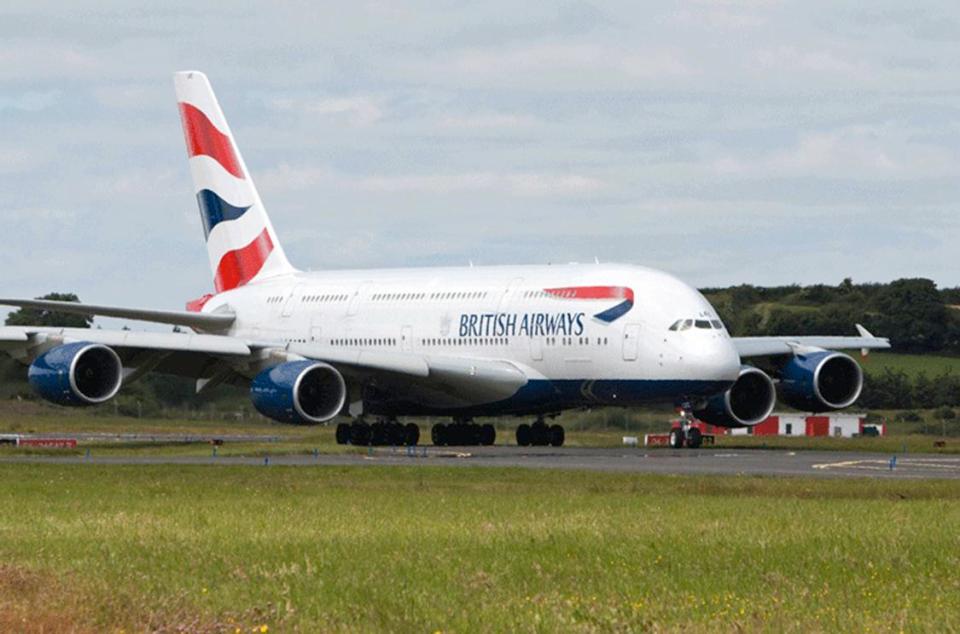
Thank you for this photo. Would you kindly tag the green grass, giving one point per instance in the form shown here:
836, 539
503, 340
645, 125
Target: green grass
911, 364
442, 549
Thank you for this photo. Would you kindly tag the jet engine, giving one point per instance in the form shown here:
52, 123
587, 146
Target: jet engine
820, 381
748, 402
77, 374
299, 392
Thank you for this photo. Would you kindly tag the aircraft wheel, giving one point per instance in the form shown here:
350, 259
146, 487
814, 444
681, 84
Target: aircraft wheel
694, 438
488, 435
359, 434
523, 435
343, 434
676, 438
557, 435
475, 435
540, 435
411, 434
438, 435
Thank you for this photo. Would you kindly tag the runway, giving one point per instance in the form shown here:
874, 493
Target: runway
830, 464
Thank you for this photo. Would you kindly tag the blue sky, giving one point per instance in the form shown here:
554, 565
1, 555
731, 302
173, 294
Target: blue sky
727, 142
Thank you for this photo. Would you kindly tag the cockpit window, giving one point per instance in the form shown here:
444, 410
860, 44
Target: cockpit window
703, 324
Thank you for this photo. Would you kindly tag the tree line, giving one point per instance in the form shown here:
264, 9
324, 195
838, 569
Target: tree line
916, 315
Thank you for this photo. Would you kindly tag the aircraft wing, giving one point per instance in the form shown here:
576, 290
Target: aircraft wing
215, 359
203, 321
774, 346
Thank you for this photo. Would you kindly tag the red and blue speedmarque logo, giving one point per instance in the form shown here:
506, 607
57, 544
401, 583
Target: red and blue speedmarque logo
599, 292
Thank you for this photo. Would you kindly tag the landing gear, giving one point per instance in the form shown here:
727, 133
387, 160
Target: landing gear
686, 435
694, 438
539, 434
381, 433
462, 433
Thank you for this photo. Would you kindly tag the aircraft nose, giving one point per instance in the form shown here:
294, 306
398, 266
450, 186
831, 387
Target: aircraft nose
716, 359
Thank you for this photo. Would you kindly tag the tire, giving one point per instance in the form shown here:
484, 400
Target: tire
360, 434
676, 438
540, 435
694, 438
438, 435
343, 434
379, 434
488, 435
557, 436
411, 435
523, 435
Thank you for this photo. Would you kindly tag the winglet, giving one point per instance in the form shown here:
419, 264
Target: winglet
864, 352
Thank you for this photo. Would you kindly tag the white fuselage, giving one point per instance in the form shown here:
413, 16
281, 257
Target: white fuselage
506, 313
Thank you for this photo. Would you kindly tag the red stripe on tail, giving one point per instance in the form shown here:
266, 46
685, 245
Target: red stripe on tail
204, 138
238, 267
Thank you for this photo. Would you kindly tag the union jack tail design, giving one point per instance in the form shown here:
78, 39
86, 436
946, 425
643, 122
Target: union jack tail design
241, 242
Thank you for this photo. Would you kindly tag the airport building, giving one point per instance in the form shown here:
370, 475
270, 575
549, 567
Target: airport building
837, 424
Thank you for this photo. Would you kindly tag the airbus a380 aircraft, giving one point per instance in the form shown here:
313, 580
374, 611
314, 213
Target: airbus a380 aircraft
462, 343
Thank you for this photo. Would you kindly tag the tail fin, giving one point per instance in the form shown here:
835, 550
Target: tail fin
241, 242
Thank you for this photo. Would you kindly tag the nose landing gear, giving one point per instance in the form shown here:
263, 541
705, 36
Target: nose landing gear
686, 435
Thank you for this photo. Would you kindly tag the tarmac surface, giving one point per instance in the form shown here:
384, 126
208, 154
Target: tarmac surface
835, 464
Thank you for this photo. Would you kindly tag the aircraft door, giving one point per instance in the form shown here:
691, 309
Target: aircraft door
291, 302
536, 348
406, 339
354, 306
631, 342
509, 294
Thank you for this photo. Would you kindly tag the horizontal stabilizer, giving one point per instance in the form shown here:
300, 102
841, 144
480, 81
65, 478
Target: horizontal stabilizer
200, 321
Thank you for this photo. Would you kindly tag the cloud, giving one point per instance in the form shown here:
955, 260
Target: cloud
30, 101
522, 184
488, 121
861, 152
358, 110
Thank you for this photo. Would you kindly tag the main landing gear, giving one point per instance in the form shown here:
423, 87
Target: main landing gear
686, 435
382, 433
462, 433
539, 434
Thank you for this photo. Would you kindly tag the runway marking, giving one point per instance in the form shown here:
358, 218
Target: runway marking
951, 464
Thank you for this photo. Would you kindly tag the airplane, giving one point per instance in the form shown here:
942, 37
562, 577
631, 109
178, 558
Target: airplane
458, 343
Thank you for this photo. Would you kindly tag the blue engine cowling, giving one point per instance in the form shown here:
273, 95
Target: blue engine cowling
77, 374
820, 381
747, 403
299, 392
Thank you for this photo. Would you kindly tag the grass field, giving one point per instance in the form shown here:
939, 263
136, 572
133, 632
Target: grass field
93, 548
911, 364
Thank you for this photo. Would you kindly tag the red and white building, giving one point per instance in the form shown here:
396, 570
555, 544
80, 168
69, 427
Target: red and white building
838, 425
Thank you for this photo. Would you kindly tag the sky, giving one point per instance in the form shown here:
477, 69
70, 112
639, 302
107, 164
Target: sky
754, 142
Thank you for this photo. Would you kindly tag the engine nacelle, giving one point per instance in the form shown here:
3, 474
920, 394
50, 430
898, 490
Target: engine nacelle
299, 392
747, 403
77, 374
821, 381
